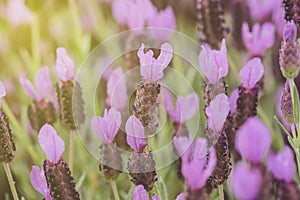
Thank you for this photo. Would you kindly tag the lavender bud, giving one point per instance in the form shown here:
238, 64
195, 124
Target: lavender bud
286, 104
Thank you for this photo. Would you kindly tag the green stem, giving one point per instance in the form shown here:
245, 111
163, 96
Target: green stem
115, 190
10, 181
71, 148
221, 192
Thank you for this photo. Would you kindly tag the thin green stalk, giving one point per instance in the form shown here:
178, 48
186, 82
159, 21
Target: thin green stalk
221, 192
10, 181
295, 101
115, 190
71, 148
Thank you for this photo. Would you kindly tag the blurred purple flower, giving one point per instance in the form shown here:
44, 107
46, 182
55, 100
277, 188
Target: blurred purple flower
252, 72
39, 183
135, 134
183, 111
260, 39
181, 196
196, 166
282, 164
120, 10
140, 193
42, 82
253, 140
18, 13
117, 96
151, 68
246, 181
213, 63
51, 143
260, 9
2, 92
64, 65
278, 17
182, 144
233, 100
155, 197
107, 127
290, 31
164, 19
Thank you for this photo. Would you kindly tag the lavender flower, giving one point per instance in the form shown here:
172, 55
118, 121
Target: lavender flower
135, 134
233, 100
286, 104
182, 144
253, 140
246, 181
140, 193
2, 92
260, 9
64, 65
38, 181
18, 13
251, 73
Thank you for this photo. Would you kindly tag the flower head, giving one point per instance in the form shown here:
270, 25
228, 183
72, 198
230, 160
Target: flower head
51, 143
282, 164
246, 181
253, 140
217, 112
252, 72
140, 193
135, 134
42, 82
290, 31
39, 183
64, 65
213, 63
261, 38
183, 111
151, 68
18, 13
2, 92
107, 127
260, 9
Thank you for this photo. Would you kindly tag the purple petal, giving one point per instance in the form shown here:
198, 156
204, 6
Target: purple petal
290, 31
253, 140
43, 82
28, 87
135, 134
260, 9
51, 143
165, 56
246, 181
107, 127
18, 13
252, 72
233, 100
181, 196
282, 164
2, 92
117, 90
38, 181
155, 197
120, 10
170, 108
182, 144
217, 112
64, 65
140, 193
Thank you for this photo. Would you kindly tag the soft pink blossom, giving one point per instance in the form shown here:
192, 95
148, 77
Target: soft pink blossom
18, 13
64, 65
233, 100
135, 134
260, 9
39, 183
252, 72
2, 92
182, 144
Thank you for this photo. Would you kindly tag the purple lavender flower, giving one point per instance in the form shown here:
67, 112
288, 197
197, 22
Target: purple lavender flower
39, 182
18, 13
135, 134
64, 65
140, 193
182, 144
181, 196
213, 63
151, 68
233, 100
278, 17
106, 127
2, 92
253, 140
282, 164
183, 111
246, 181
261, 9
261, 38
290, 31
251, 73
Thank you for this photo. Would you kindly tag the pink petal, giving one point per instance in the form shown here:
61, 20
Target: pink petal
252, 72
166, 55
38, 181
2, 92
260, 9
233, 100
185, 107
290, 31
135, 133
120, 10
64, 65
140, 193
51, 143
28, 87
181, 196
182, 144
253, 140
155, 197
170, 108
43, 82
217, 112
18, 13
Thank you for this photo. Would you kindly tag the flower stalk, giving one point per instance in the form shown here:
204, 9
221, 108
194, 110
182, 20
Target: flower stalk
10, 181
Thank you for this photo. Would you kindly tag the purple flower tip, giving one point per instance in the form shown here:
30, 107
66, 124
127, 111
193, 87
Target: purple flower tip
140, 193
2, 92
51, 143
282, 164
107, 127
151, 68
135, 134
217, 112
246, 181
155, 197
64, 65
290, 31
233, 100
252, 72
253, 140
181, 196
39, 183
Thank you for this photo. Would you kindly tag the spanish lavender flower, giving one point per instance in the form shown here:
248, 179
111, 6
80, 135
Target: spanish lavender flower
246, 181
57, 172
140, 193
18, 13
38, 181
7, 145
253, 140
289, 52
292, 9
260, 39
286, 104
261, 9
69, 92
106, 128
40, 111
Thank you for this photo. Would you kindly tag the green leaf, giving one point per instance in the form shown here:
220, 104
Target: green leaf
129, 195
80, 181
162, 189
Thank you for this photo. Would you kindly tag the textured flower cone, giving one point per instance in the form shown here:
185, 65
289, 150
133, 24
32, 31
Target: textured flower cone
292, 12
267, 189
111, 161
69, 94
60, 181
141, 167
287, 191
180, 130
7, 145
211, 22
286, 104
289, 59
40, 113
223, 166
197, 195
212, 90
146, 105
